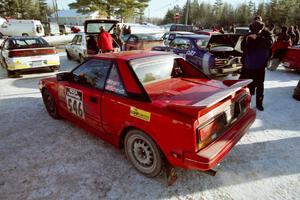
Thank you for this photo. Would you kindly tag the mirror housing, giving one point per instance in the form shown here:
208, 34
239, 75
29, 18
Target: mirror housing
64, 76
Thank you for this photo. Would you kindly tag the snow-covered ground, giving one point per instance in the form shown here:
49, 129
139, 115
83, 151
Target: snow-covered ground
43, 158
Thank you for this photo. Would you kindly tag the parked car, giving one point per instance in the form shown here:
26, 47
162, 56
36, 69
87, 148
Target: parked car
142, 42
84, 44
208, 32
242, 30
51, 28
218, 54
182, 27
16, 27
156, 106
169, 36
27, 53
291, 59
64, 29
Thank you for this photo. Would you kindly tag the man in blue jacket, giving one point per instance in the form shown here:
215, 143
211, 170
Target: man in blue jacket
256, 53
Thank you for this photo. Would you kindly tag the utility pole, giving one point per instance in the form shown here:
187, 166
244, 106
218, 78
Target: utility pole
187, 11
55, 10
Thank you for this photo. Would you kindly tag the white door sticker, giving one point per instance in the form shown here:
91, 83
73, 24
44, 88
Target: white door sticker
74, 102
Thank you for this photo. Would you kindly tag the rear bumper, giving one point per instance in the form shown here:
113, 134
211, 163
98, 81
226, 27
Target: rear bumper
21, 63
211, 155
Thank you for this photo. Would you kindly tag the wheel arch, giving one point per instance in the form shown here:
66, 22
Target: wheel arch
149, 133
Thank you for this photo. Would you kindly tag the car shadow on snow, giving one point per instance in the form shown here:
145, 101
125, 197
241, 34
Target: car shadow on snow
87, 159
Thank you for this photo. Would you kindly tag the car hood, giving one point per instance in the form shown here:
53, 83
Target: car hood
182, 91
228, 40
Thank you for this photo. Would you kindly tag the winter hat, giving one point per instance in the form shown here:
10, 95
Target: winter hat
256, 26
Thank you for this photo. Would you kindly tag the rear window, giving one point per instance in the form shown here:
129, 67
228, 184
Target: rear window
94, 27
19, 43
153, 69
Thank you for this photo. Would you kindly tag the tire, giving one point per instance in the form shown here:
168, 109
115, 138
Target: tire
1, 35
50, 104
25, 34
81, 59
12, 74
143, 153
68, 55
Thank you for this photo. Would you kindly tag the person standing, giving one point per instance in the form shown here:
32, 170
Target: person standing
279, 47
256, 53
297, 33
292, 34
105, 41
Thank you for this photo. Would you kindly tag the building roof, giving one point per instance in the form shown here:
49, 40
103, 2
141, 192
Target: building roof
72, 13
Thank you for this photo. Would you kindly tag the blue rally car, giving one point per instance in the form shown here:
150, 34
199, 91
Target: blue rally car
218, 54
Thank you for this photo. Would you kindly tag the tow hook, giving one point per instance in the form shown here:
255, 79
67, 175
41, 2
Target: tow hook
213, 171
210, 172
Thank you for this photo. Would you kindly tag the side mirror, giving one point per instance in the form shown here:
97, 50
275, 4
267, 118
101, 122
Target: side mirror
64, 76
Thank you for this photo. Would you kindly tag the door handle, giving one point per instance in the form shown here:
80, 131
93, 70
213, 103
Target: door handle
93, 99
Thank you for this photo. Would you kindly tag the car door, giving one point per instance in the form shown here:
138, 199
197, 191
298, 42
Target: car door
131, 43
4, 50
80, 99
77, 47
72, 45
180, 46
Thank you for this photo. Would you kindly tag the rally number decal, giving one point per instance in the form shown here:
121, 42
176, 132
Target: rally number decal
74, 102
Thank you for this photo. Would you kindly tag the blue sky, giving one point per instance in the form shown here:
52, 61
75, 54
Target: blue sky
157, 8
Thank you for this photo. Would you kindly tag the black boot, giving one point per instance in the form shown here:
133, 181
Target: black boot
259, 103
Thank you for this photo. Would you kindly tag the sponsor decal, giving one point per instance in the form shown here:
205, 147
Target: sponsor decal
140, 114
74, 100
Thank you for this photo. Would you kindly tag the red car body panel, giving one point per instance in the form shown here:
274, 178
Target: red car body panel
175, 116
292, 58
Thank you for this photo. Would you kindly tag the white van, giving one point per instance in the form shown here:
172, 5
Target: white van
16, 27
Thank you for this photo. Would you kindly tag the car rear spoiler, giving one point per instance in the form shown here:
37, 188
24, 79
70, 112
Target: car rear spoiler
211, 100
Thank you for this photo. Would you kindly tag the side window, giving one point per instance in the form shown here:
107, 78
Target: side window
133, 39
114, 82
75, 39
92, 73
6, 44
79, 40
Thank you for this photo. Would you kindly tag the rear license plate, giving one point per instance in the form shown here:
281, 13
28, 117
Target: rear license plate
36, 63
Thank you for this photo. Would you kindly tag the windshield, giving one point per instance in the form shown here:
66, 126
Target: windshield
153, 69
19, 43
149, 37
94, 27
202, 43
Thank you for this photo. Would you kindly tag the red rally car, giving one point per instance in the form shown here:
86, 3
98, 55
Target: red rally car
155, 105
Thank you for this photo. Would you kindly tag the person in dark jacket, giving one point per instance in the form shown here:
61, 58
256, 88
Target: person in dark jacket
256, 53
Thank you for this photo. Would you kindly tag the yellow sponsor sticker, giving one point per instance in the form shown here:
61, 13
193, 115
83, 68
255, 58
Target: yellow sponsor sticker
140, 114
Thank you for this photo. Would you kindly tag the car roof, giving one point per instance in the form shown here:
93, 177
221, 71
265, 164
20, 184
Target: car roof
130, 55
23, 37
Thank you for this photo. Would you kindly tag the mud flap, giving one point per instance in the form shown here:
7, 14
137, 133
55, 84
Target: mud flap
171, 174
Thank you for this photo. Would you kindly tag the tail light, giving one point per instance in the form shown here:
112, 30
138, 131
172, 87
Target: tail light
211, 130
25, 53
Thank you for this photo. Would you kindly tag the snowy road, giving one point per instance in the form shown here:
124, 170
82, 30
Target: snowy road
42, 158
